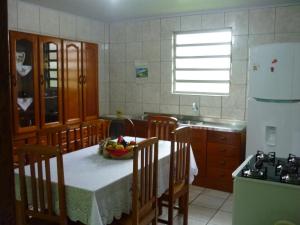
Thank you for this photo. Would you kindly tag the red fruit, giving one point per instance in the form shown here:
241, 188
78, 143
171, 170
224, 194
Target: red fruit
120, 139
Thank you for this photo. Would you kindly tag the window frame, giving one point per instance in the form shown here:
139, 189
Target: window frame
174, 57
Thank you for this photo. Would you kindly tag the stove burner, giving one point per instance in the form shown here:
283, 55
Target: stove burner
290, 179
268, 167
262, 158
255, 173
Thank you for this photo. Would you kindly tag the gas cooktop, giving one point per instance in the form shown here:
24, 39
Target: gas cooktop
269, 167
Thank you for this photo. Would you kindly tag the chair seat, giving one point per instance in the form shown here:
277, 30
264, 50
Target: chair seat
178, 189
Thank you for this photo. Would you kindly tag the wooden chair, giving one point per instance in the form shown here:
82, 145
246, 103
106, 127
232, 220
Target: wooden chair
161, 126
92, 132
38, 209
179, 176
144, 185
54, 136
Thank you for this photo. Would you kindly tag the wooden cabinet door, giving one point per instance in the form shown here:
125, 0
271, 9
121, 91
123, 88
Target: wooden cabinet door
50, 82
198, 142
24, 77
90, 81
72, 82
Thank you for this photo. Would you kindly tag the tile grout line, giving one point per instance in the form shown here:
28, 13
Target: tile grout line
218, 209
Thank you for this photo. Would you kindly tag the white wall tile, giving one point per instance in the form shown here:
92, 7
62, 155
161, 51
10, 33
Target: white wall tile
168, 26
188, 100
151, 108
12, 6
213, 21
133, 51
166, 97
117, 72
103, 108
238, 21
232, 113
261, 21
187, 110
117, 92
117, 32
288, 19
151, 30
130, 72
97, 31
133, 109
166, 49
169, 109
151, 93
134, 31
210, 112
49, 21
210, 101
191, 23
28, 17
240, 47
154, 72
133, 93
236, 98
117, 52
166, 72
83, 28
239, 72
260, 39
67, 25
151, 51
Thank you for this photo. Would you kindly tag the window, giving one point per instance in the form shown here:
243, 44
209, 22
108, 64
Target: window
202, 62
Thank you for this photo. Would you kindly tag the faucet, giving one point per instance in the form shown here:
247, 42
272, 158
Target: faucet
195, 107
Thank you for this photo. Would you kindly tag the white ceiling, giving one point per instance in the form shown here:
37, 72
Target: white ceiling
113, 10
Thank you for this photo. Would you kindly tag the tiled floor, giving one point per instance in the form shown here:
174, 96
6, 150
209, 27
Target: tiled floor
208, 207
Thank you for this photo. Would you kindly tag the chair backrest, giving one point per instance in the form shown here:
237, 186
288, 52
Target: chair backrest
161, 126
180, 158
37, 190
54, 136
96, 130
144, 185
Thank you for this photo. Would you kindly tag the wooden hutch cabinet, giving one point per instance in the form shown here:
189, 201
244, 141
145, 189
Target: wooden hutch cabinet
72, 82
24, 80
54, 82
51, 112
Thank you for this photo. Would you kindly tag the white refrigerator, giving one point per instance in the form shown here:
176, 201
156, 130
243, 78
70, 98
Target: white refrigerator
273, 105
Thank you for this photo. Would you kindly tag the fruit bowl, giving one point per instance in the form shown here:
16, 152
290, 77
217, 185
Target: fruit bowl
118, 149
118, 154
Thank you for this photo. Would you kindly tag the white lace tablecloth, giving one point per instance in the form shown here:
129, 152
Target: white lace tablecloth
98, 189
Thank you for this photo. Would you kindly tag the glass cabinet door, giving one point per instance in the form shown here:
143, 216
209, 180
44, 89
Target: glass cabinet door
50, 81
24, 81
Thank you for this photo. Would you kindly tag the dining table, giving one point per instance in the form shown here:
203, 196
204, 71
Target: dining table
98, 189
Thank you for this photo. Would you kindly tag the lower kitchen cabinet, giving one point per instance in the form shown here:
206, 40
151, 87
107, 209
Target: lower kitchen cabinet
217, 155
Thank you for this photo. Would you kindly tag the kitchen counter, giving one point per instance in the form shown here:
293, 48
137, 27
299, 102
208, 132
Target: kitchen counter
193, 121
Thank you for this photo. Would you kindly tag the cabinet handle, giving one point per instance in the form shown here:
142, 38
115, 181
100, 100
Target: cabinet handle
222, 138
80, 79
84, 79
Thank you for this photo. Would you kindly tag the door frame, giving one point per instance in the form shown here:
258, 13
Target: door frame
7, 195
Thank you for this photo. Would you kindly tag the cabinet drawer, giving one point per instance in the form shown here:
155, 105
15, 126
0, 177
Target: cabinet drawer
224, 137
223, 150
222, 163
218, 173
